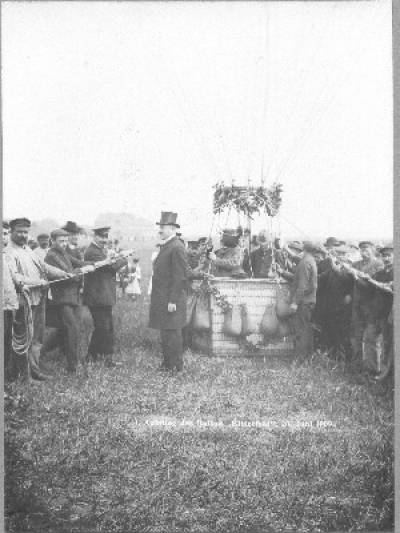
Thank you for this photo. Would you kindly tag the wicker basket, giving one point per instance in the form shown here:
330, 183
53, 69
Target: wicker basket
256, 294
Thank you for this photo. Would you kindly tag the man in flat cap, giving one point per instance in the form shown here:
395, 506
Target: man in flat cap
100, 294
43, 240
228, 260
377, 311
262, 259
35, 274
169, 292
362, 293
65, 297
12, 285
303, 297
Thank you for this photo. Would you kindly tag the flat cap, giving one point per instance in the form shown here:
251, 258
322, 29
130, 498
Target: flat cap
311, 246
386, 250
20, 222
59, 232
43, 236
102, 232
364, 244
296, 245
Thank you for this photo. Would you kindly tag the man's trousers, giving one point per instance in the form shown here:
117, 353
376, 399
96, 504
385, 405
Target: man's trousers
102, 340
172, 348
303, 332
9, 369
70, 332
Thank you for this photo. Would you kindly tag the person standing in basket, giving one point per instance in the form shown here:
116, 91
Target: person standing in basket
303, 296
169, 292
100, 295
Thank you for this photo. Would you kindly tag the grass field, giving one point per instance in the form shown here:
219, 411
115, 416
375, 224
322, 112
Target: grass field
136, 450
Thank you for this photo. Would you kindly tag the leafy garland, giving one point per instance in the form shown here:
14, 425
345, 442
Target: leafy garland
220, 299
249, 200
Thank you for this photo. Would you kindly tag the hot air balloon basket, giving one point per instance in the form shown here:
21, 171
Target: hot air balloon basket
253, 297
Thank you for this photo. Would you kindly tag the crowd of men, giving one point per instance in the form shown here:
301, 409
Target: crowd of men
341, 297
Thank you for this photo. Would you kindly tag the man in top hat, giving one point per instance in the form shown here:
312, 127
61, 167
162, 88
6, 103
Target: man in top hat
362, 293
35, 274
228, 260
65, 297
303, 293
100, 294
43, 245
169, 292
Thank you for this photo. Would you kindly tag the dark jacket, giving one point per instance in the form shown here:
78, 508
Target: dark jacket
169, 285
261, 261
100, 288
63, 292
304, 286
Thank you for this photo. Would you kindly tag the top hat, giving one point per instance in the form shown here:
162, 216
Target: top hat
168, 219
72, 227
20, 222
102, 232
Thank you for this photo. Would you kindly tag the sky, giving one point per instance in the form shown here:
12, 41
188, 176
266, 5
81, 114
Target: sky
140, 107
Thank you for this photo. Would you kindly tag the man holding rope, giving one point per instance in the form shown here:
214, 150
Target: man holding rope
34, 274
66, 298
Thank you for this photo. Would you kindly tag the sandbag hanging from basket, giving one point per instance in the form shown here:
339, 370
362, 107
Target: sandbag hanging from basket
282, 304
249, 324
269, 323
201, 315
233, 321
190, 307
284, 329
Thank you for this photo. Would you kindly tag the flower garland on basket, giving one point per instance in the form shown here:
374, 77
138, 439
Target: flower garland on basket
249, 200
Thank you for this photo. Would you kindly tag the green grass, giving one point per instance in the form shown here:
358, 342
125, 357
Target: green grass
95, 453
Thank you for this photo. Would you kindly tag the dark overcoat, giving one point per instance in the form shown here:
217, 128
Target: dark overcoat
63, 292
169, 285
100, 288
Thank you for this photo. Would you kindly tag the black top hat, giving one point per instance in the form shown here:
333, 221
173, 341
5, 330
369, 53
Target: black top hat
102, 232
168, 219
20, 222
72, 227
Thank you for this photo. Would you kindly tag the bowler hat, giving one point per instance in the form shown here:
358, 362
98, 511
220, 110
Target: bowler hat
102, 232
168, 219
59, 232
72, 227
332, 241
202, 240
20, 222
